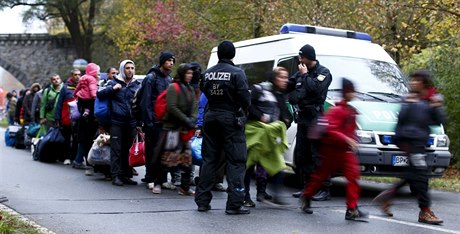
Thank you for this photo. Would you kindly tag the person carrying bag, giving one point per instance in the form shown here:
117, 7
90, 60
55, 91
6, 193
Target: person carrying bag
173, 146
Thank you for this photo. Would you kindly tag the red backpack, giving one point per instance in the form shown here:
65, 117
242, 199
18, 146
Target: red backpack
160, 104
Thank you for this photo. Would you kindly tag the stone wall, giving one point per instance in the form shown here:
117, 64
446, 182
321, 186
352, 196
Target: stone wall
34, 57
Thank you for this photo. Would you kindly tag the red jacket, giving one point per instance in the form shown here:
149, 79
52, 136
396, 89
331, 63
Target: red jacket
342, 124
88, 84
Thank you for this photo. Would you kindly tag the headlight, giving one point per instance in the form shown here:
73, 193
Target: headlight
365, 137
442, 141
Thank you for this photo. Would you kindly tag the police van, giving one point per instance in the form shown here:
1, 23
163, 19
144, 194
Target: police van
378, 80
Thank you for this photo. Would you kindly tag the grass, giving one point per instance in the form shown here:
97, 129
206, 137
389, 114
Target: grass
4, 122
450, 181
11, 224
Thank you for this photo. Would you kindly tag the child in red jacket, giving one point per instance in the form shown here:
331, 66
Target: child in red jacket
337, 149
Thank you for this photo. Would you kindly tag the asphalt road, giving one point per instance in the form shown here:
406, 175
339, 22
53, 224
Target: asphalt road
64, 200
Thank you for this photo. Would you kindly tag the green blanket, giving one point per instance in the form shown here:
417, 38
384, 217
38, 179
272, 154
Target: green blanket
266, 145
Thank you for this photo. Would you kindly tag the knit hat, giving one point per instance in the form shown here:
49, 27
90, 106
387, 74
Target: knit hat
308, 52
226, 50
347, 86
164, 56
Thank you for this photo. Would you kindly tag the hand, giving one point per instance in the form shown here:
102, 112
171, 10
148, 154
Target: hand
117, 87
265, 118
436, 101
303, 68
352, 143
198, 133
42, 121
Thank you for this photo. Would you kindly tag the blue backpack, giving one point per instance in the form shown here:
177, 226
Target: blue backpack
102, 110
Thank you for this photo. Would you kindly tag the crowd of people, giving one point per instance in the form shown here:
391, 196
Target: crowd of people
243, 129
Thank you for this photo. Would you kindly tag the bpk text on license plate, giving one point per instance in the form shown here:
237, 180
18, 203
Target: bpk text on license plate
400, 161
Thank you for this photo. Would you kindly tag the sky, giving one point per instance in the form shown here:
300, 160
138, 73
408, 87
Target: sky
11, 22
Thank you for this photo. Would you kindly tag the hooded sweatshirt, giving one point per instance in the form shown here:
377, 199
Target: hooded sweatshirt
87, 86
120, 100
28, 101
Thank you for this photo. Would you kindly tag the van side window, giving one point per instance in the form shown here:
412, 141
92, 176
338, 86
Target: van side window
255, 72
290, 64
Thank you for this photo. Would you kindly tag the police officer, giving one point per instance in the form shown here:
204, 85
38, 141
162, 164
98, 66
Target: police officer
227, 91
309, 89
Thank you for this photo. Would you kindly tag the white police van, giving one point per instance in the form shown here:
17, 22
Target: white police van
377, 78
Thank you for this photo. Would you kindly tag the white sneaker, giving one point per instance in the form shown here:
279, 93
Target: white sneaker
89, 172
156, 189
168, 185
67, 162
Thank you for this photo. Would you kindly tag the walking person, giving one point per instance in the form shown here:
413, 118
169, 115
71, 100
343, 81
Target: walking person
421, 109
62, 116
49, 102
120, 91
156, 81
337, 148
309, 90
226, 88
268, 121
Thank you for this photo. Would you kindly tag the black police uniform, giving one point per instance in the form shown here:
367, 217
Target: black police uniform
228, 95
309, 92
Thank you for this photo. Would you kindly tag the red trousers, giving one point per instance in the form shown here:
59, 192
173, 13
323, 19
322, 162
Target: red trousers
331, 162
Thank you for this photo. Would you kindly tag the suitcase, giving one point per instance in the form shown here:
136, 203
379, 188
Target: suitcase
10, 135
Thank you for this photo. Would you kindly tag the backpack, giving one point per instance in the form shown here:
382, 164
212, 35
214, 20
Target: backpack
136, 111
102, 110
161, 104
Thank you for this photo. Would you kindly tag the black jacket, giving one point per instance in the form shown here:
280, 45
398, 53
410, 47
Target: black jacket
153, 84
120, 101
226, 87
310, 89
266, 100
415, 119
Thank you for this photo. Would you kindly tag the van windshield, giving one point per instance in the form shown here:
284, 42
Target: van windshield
380, 79
369, 76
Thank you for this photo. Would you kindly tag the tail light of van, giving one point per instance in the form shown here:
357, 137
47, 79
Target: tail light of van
365, 137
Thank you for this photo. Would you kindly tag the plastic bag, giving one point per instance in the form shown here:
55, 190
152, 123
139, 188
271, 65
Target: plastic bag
99, 155
73, 109
197, 159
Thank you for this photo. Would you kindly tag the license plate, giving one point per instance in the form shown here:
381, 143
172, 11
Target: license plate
400, 161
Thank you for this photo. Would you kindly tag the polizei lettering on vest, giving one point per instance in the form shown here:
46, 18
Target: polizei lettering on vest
225, 76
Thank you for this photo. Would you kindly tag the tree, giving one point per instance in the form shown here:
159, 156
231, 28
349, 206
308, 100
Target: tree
78, 17
147, 28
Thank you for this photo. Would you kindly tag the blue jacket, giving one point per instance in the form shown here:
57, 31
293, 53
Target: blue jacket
120, 101
201, 109
65, 94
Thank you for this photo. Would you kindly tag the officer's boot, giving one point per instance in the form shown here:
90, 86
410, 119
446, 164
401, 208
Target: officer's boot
261, 185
